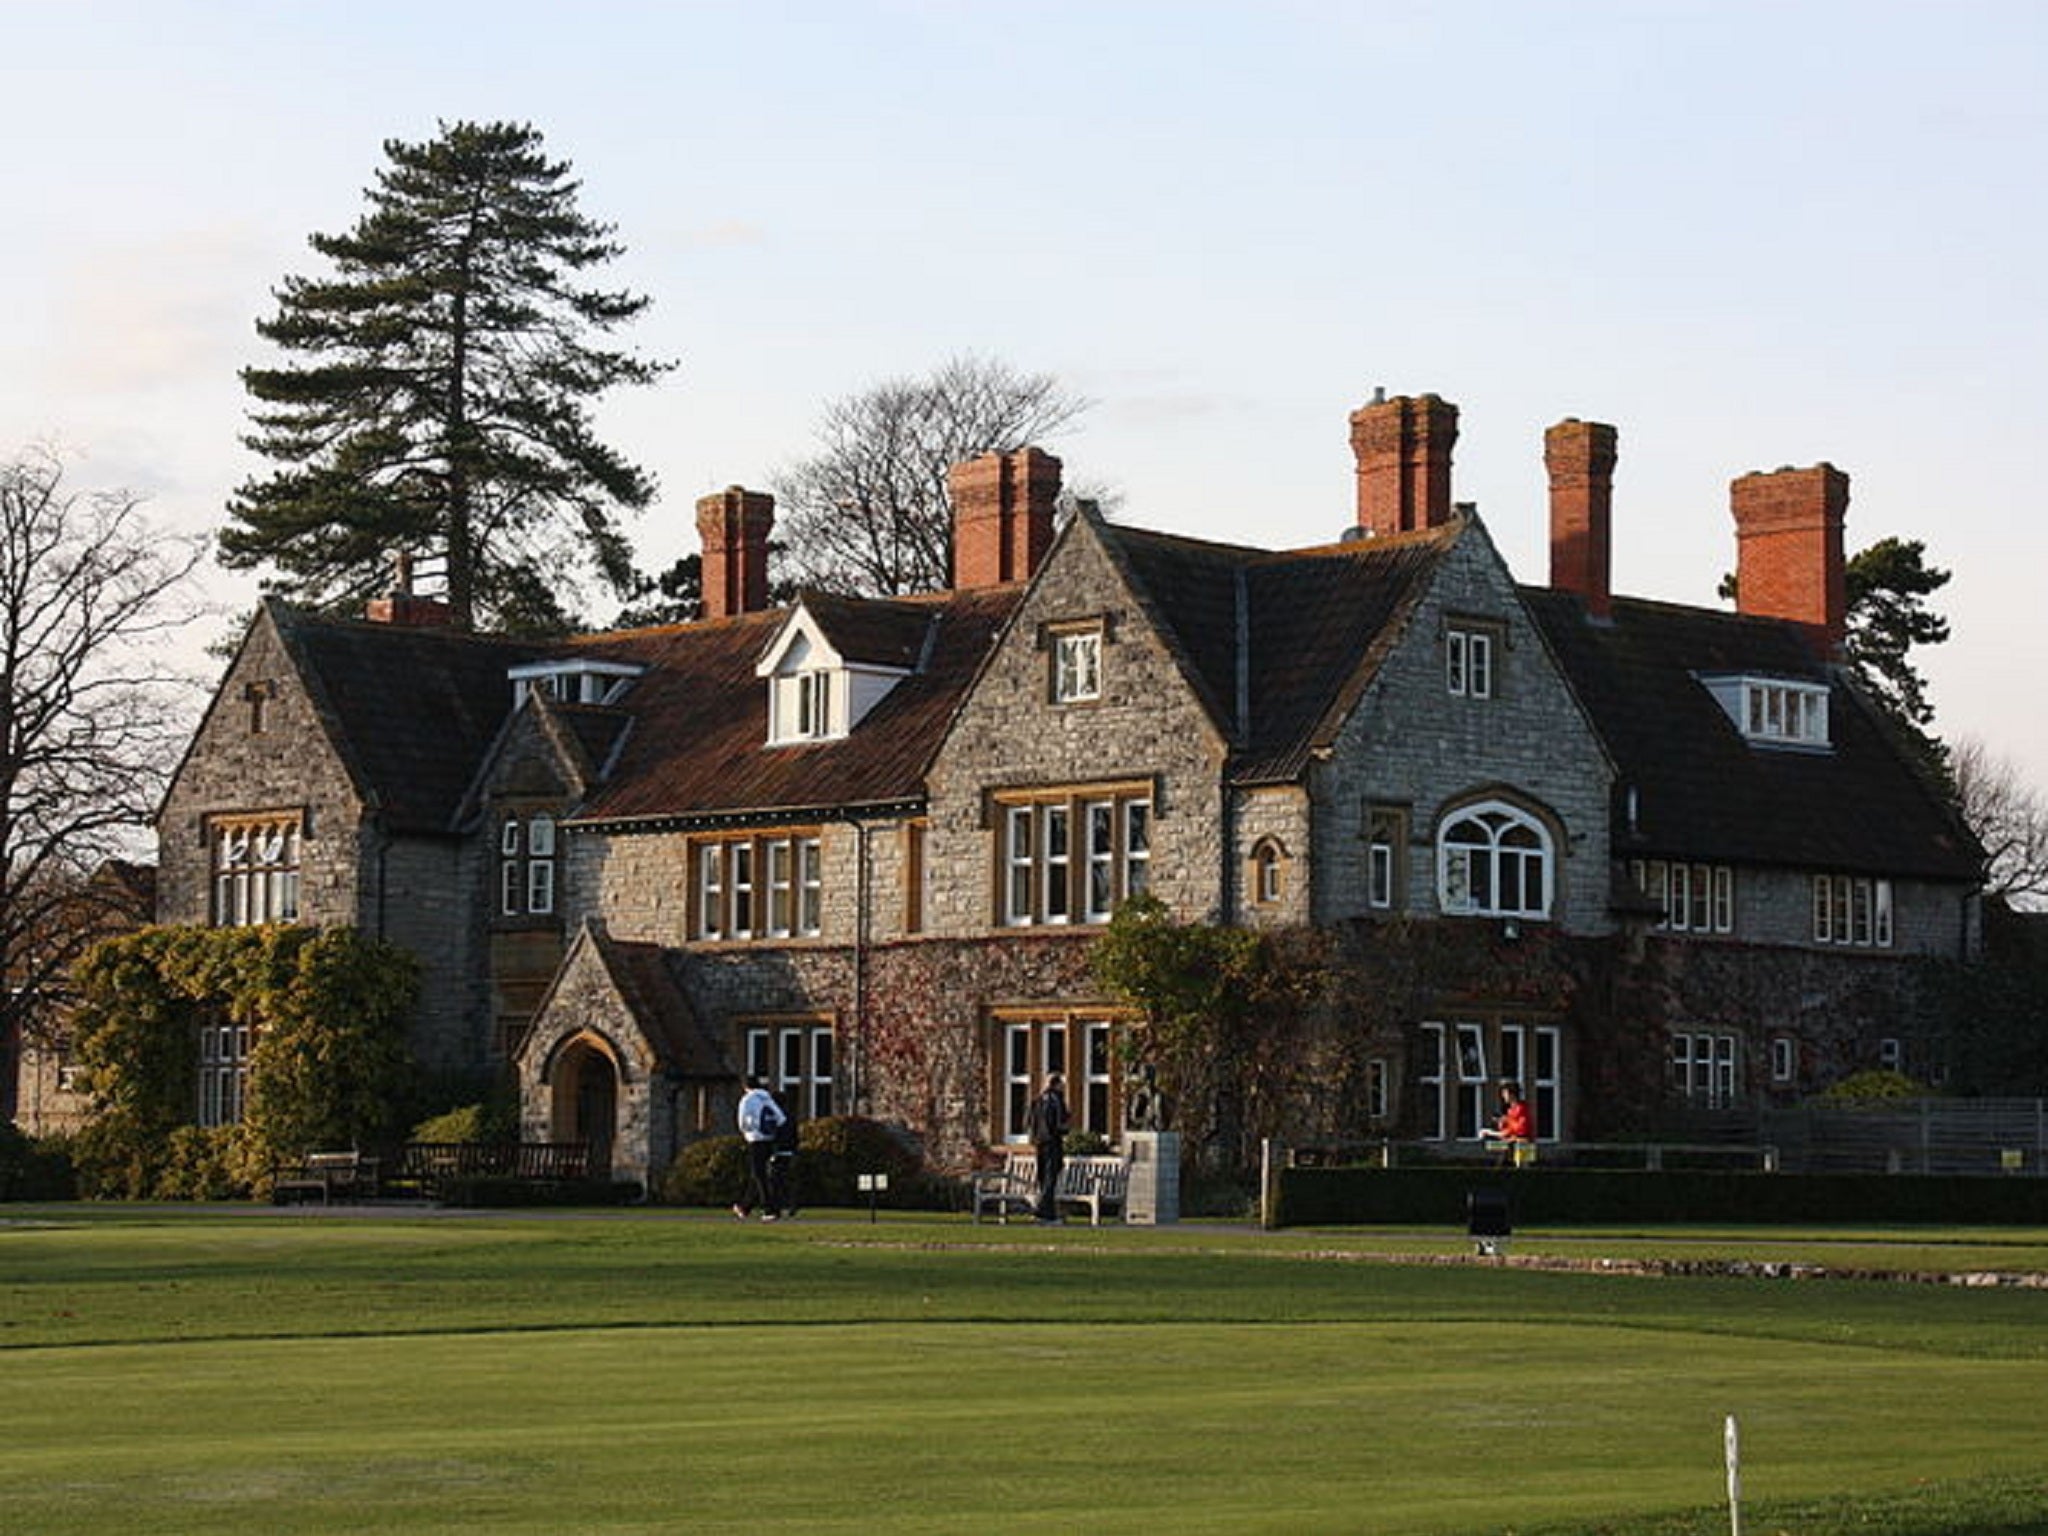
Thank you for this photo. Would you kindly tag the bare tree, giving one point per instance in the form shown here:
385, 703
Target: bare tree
2010, 818
92, 714
870, 512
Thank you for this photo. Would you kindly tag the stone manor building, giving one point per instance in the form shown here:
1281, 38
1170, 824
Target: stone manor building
861, 846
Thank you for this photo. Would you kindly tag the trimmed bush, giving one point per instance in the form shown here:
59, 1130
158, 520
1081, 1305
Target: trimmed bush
832, 1154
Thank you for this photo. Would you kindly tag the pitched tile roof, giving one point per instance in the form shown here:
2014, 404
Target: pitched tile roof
1279, 644
1701, 791
878, 631
412, 710
697, 745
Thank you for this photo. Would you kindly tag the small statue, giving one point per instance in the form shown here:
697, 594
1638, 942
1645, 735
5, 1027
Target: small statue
1146, 1108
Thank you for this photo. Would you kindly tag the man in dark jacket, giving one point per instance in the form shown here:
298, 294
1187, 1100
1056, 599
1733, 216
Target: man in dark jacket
1049, 1139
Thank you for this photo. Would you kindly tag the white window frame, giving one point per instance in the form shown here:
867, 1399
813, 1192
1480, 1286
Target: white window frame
1077, 666
810, 870
1469, 662
1784, 1059
711, 890
256, 870
1046, 879
1431, 1081
1471, 874
1705, 1067
1853, 910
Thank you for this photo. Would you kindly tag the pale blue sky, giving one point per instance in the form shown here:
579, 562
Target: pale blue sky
1746, 234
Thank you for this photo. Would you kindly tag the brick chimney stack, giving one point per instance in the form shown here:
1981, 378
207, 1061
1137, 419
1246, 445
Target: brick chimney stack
734, 526
1579, 456
1788, 548
1002, 516
1403, 448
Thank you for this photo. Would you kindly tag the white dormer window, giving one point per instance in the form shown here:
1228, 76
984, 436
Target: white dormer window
1774, 711
572, 680
814, 693
813, 703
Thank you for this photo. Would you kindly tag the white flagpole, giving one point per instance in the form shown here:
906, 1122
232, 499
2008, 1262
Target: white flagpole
1734, 1479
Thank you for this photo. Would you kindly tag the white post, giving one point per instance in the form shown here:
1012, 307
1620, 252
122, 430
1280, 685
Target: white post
1734, 1479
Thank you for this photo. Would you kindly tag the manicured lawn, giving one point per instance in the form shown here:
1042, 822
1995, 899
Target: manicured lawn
249, 1371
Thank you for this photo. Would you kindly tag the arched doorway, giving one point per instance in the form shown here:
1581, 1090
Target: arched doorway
586, 1099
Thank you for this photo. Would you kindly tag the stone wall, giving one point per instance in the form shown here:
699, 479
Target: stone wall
1412, 745
1147, 724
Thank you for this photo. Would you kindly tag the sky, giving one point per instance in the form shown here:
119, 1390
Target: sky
1745, 234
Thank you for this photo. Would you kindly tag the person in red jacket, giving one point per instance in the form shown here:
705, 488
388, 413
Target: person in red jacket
1515, 1127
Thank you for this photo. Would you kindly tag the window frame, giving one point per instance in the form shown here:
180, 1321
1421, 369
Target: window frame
1076, 660
765, 886
1045, 878
1471, 658
1459, 891
255, 868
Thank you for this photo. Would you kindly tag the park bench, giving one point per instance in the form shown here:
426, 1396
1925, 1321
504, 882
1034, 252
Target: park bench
325, 1176
1093, 1182
426, 1168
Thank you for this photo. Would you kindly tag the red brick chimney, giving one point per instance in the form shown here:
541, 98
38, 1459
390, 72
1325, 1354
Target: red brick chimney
1580, 458
734, 526
1002, 516
1788, 548
404, 607
1403, 447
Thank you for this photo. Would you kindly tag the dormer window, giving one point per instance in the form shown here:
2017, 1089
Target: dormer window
813, 704
577, 680
1774, 711
816, 690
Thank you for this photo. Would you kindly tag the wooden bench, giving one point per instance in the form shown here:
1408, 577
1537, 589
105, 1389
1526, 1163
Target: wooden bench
1014, 1186
326, 1175
1093, 1182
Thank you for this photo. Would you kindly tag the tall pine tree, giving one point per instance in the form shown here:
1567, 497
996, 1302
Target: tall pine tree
439, 406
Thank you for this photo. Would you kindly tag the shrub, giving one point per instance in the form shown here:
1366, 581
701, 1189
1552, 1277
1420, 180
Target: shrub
471, 1123
832, 1153
1876, 1086
35, 1168
203, 1164
709, 1172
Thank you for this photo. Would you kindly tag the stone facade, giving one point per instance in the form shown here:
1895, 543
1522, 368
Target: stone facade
1103, 736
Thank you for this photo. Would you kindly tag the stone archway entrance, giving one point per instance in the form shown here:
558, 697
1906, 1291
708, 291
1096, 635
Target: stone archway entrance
586, 1100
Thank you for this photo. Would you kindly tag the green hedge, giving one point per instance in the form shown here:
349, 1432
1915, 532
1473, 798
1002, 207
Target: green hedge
1567, 1197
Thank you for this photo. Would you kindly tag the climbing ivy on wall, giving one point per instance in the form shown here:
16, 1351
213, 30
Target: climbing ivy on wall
327, 1009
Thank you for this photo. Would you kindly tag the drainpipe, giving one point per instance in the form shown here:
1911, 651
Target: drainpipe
857, 1076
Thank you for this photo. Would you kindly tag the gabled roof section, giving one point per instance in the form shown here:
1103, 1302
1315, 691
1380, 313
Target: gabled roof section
700, 715
648, 987
1701, 791
1280, 644
871, 632
411, 711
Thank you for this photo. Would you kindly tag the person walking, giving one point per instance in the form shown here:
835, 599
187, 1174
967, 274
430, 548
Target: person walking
1048, 1128
760, 1119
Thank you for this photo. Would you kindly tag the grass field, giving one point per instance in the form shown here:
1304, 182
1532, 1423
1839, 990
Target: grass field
247, 1370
